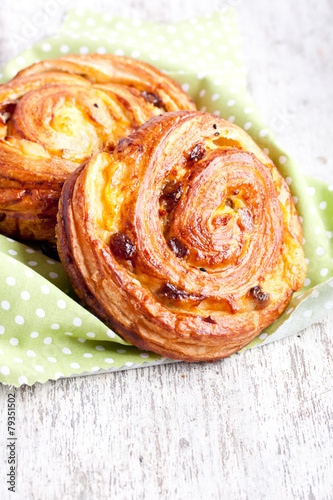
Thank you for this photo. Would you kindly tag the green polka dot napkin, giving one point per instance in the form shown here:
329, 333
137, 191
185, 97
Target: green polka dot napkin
44, 331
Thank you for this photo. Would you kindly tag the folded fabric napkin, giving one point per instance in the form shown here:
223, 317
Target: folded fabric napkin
45, 333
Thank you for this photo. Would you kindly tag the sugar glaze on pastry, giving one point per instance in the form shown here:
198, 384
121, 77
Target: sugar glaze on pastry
185, 239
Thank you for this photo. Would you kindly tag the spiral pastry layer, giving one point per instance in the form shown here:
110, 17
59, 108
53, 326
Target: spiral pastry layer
185, 239
55, 114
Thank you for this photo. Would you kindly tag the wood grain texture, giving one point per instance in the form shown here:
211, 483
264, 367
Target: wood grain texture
256, 426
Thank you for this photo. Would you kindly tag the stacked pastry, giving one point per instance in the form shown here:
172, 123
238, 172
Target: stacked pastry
173, 226
55, 114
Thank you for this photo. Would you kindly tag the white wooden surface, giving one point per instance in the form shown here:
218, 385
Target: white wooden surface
257, 426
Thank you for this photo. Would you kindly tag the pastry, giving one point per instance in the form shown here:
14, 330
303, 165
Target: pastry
185, 239
55, 114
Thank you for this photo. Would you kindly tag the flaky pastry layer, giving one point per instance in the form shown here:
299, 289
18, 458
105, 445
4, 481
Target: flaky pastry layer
185, 239
55, 114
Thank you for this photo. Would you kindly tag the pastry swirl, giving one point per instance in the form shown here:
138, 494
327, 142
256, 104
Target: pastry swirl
55, 114
185, 239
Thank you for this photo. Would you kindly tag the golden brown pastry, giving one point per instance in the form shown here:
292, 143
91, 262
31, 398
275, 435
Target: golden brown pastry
185, 240
55, 114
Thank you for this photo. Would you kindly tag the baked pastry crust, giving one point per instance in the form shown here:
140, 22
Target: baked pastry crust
55, 114
185, 240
